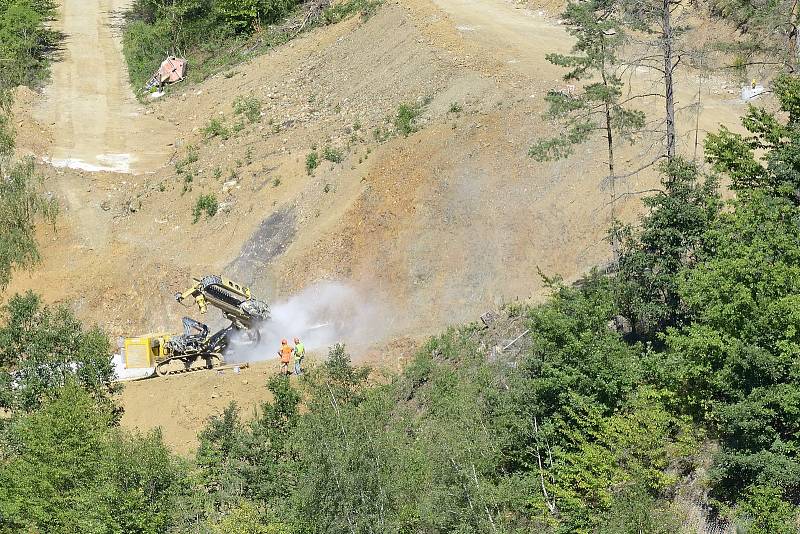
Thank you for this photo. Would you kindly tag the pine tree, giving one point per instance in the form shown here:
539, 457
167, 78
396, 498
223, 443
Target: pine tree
599, 105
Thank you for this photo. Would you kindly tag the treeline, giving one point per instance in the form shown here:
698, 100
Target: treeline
637, 400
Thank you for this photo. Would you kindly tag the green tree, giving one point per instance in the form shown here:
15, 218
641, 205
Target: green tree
599, 106
734, 364
66, 468
664, 242
22, 202
43, 348
762, 511
769, 159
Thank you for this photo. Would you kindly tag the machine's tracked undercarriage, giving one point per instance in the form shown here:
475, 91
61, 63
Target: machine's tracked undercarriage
197, 348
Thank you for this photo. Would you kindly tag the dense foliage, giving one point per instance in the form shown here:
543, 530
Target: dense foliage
42, 349
25, 46
213, 34
25, 41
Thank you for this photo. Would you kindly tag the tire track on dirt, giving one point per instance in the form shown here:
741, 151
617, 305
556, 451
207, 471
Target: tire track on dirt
96, 122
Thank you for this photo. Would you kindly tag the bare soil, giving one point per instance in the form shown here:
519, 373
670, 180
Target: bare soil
95, 120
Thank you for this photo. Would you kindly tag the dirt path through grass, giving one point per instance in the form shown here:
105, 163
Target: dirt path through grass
96, 122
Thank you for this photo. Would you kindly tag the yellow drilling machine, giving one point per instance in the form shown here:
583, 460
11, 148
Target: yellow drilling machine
196, 348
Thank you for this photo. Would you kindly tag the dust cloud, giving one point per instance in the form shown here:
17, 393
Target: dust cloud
320, 315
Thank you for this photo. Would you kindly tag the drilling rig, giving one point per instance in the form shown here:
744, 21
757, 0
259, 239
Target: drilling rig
197, 348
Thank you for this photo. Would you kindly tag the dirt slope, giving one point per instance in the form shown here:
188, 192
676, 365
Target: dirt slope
432, 229
96, 122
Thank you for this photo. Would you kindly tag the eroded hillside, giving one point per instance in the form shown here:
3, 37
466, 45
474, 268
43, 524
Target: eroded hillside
442, 224
431, 228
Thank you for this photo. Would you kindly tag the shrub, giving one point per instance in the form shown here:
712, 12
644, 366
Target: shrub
455, 107
22, 204
216, 128
143, 46
43, 347
249, 106
207, 204
188, 178
192, 155
25, 41
246, 16
331, 154
341, 10
312, 161
406, 119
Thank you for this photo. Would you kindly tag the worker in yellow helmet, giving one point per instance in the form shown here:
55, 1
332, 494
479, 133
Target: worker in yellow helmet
299, 354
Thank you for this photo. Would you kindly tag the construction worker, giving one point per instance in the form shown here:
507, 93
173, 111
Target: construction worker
299, 354
285, 355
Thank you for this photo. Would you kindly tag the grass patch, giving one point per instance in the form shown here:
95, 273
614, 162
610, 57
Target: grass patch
342, 10
207, 204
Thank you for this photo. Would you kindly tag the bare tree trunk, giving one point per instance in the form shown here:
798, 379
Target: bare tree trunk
609, 132
794, 36
666, 27
551, 504
610, 141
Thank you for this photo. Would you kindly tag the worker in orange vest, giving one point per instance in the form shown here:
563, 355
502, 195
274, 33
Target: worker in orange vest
285, 355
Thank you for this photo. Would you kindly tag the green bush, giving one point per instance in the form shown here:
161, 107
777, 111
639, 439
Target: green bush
22, 204
249, 106
71, 469
42, 347
312, 161
216, 128
331, 154
206, 203
405, 122
25, 41
144, 46
246, 16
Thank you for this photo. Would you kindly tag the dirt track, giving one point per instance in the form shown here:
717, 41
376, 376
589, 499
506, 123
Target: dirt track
96, 122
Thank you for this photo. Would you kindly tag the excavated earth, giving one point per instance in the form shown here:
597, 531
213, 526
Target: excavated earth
432, 229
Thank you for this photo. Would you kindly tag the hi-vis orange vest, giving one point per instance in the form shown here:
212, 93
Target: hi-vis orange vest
286, 353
